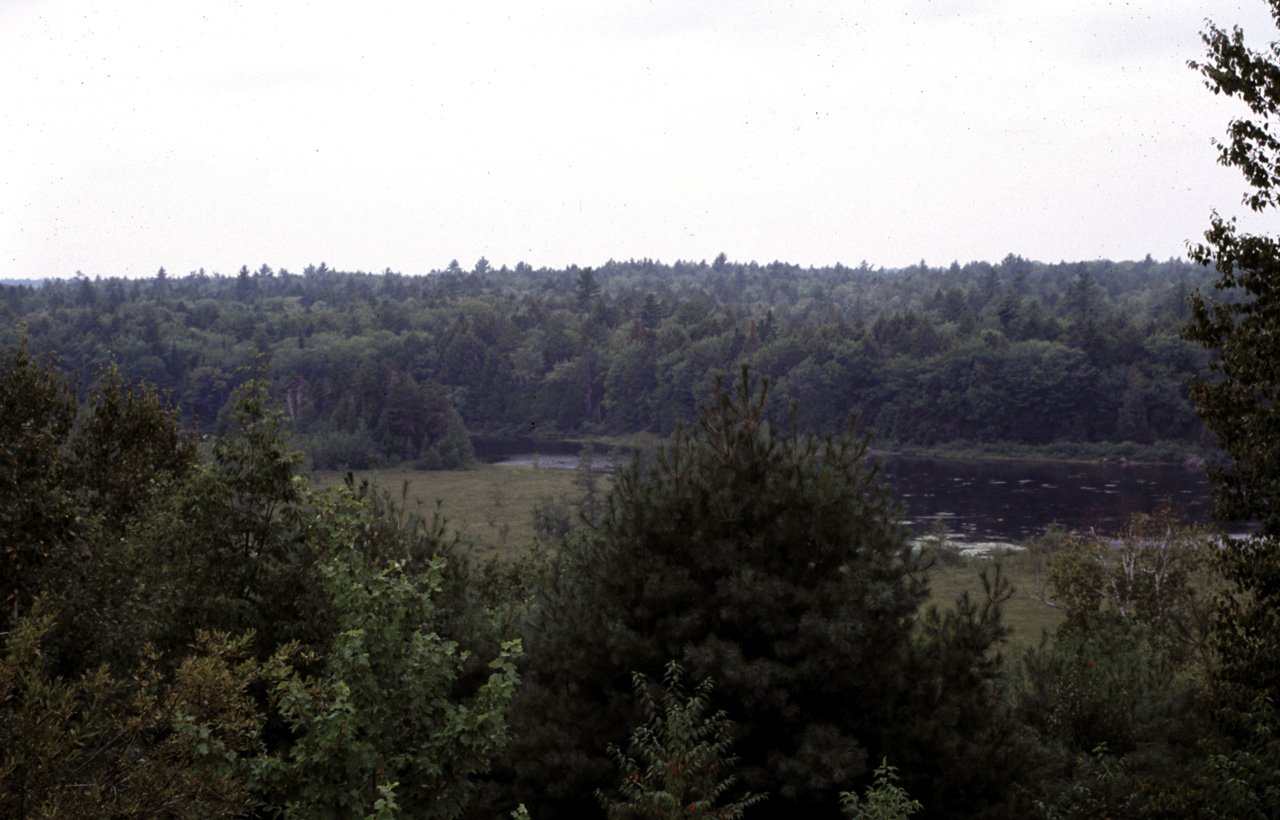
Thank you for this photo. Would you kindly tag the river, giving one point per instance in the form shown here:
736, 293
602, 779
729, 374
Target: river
981, 500
978, 501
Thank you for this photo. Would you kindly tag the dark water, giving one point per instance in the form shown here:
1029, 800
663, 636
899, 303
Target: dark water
1014, 500
977, 501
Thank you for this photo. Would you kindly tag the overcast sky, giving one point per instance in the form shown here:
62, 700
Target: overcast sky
197, 134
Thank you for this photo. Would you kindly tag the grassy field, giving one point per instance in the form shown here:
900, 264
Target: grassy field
1028, 617
492, 508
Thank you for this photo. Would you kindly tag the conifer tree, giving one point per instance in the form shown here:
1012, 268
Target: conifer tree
74, 477
37, 515
769, 561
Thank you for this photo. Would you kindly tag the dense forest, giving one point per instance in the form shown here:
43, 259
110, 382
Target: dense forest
739, 628
742, 631
1072, 358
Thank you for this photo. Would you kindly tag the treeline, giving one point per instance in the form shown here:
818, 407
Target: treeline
193, 632
1020, 353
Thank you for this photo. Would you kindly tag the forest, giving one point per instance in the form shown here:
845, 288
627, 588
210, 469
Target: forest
742, 629
1076, 360
738, 627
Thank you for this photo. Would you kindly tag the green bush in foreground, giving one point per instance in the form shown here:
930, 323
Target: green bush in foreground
158, 746
885, 800
684, 762
376, 730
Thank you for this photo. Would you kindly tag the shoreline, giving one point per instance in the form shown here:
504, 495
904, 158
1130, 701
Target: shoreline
1193, 460
1195, 463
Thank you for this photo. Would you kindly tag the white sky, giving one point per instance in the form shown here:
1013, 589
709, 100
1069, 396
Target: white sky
217, 134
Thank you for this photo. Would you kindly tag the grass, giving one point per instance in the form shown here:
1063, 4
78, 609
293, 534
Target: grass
1027, 616
492, 508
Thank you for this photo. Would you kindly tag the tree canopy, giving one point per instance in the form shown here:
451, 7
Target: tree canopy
1240, 324
373, 366
774, 563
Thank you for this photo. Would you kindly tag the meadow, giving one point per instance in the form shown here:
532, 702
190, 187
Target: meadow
492, 509
489, 507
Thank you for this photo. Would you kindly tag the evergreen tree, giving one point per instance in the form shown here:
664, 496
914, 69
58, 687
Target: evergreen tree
587, 288
451, 449
775, 564
74, 478
37, 514
651, 312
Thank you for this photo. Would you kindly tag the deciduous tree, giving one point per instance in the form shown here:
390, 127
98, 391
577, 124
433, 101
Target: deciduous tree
377, 724
1240, 323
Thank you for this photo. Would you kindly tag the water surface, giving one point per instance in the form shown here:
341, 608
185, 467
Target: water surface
981, 500
977, 501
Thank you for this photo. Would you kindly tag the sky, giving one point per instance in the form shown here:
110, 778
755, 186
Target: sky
197, 134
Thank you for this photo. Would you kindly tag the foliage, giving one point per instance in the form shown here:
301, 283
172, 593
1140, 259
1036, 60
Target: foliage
162, 746
74, 478
476, 605
128, 449
772, 562
1144, 574
368, 634
37, 515
885, 800
1238, 404
1022, 353
684, 757
1244, 783
452, 450
585, 478
1099, 686
1100, 788
374, 732
1240, 325
1245, 622
1115, 696
953, 729
217, 552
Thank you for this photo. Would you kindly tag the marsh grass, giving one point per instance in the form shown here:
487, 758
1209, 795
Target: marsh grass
1027, 617
492, 508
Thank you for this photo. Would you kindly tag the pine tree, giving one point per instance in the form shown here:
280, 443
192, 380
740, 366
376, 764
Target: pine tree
74, 477
771, 562
37, 513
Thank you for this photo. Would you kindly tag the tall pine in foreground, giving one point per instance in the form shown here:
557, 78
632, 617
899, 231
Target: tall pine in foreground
775, 564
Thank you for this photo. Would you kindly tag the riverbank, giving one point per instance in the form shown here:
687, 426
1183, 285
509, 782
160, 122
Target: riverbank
492, 509
1158, 454
1189, 461
1126, 453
